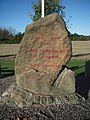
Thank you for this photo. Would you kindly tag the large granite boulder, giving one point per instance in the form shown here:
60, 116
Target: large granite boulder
44, 50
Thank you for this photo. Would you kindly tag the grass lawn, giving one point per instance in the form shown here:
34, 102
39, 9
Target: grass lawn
7, 66
77, 65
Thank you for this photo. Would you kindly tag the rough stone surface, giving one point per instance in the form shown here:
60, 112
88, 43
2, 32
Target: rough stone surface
65, 83
44, 50
27, 99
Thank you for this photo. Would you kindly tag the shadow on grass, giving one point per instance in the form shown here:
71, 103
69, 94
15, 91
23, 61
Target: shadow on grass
78, 55
6, 56
76, 67
4, 72
82, 85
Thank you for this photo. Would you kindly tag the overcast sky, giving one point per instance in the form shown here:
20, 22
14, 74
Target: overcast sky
14, 13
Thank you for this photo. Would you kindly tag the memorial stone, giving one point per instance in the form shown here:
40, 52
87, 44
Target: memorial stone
43, 52
41, 76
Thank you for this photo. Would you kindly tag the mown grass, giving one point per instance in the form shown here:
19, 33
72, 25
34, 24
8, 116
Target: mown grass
77, 65
7, 66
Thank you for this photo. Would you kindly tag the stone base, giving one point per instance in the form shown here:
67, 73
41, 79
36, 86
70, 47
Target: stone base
17, 97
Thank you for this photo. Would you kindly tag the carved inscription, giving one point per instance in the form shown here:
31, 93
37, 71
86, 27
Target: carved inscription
47, 53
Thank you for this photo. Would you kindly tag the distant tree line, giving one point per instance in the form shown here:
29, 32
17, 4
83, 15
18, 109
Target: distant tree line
76, 37
8, 36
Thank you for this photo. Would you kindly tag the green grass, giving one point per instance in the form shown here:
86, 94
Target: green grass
7, 66
77, 65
